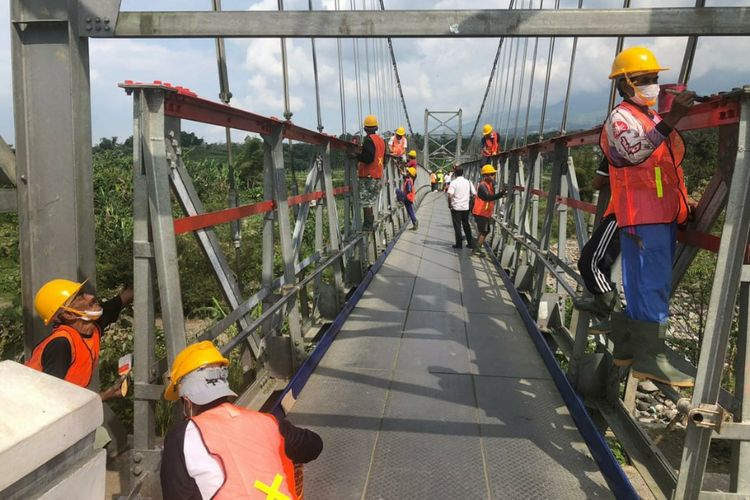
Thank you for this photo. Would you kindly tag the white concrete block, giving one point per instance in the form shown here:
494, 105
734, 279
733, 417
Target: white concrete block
40, 417
86, 482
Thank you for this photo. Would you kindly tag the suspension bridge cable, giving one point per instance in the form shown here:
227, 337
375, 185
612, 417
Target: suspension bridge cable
501, 103
618, 49
687, 60
512, 93
520, 88
398, 78
315, 73
287, 111
342, 92
531, 85
550, 55
564, 122
487, 90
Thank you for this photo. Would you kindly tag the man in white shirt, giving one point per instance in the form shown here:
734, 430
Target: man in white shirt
460, 192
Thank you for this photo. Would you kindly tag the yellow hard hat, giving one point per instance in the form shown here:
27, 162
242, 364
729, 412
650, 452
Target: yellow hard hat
488, 170
486, 129
399, 131
190, 359
412, 154
412, 171
634, 61
371, 121
53, 295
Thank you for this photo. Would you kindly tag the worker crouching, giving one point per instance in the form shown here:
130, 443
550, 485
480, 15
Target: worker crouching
222, 450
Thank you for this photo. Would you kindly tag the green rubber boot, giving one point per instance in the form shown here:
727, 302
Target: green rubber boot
621, 338
600, 304
650, 355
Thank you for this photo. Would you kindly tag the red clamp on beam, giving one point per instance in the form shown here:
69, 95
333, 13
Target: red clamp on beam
341, 190
580, 205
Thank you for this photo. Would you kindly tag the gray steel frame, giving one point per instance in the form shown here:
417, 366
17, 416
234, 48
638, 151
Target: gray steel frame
104, 21
530, 262
437, 138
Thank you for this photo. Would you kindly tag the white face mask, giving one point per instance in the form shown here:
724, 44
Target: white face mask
91, 315
646, 95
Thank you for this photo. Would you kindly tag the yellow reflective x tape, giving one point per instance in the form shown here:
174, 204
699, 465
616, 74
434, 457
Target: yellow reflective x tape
659, 187
272, 491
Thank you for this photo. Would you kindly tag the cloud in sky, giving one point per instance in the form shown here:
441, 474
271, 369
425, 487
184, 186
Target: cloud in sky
442, 74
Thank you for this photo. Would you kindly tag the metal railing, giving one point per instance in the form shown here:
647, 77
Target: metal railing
273, 345
524, 246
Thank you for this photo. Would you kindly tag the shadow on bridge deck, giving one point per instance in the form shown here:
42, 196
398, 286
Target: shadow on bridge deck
433, 388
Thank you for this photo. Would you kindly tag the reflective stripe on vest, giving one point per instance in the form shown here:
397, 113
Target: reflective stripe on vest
652, 192
250, 450
374, 169
398, 147
408, 184
492, 145
484, 208
84, 354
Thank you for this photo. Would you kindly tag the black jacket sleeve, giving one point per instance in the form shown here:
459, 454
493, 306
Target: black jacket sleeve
176, 483
301, 445
368, 151
57, 357
484, 195
111, 311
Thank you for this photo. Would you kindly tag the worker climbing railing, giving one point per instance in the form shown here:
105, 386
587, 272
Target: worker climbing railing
525, 248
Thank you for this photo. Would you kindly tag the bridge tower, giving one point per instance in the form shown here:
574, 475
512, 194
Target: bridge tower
442, 142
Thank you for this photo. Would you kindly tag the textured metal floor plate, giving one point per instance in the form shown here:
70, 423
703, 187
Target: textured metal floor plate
434, 390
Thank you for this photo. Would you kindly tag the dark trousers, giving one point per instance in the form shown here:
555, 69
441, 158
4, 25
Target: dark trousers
410, 210
598, 255
461, 218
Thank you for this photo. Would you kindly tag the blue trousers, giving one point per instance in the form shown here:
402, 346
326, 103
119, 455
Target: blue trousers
410, 210
647, 257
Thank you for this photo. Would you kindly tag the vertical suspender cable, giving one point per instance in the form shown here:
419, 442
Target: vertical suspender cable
618, 49
369, 74
342, 92
564, 122
692, 43
315, 72
225, 96
398, 79
512, 93
501, 102
287, 112
550, 55
487, 90
355, 50
520, 88
531, 86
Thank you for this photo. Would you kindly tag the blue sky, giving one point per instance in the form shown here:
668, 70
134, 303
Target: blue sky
437, 73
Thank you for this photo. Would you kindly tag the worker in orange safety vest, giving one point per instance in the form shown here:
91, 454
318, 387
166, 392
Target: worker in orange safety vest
397, 144
371, 158
222, 450
484, 207
649, 200
490, 141
71, 351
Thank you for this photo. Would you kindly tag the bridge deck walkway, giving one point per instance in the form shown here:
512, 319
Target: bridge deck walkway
433, 388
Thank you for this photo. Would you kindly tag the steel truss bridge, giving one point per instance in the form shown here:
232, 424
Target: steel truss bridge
428, 374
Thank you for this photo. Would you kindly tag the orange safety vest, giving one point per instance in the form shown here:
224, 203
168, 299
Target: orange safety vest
374, 169
408, 184
484, 208
492, 145
248, 446
433, 178
652, 192
84, 352
398, 146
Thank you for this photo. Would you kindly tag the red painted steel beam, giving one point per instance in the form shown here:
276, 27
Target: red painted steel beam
183, 103
580, 205
202, 221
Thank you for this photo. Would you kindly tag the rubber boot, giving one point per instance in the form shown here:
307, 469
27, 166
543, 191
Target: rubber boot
621, 337
368, 219
600, 304
607, 306
650, 360
415, 226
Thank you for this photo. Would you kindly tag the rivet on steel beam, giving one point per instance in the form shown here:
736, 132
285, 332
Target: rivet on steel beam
88, 27
137, 470
88, 19
106, 20
98, 20
137, 457
106, 28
